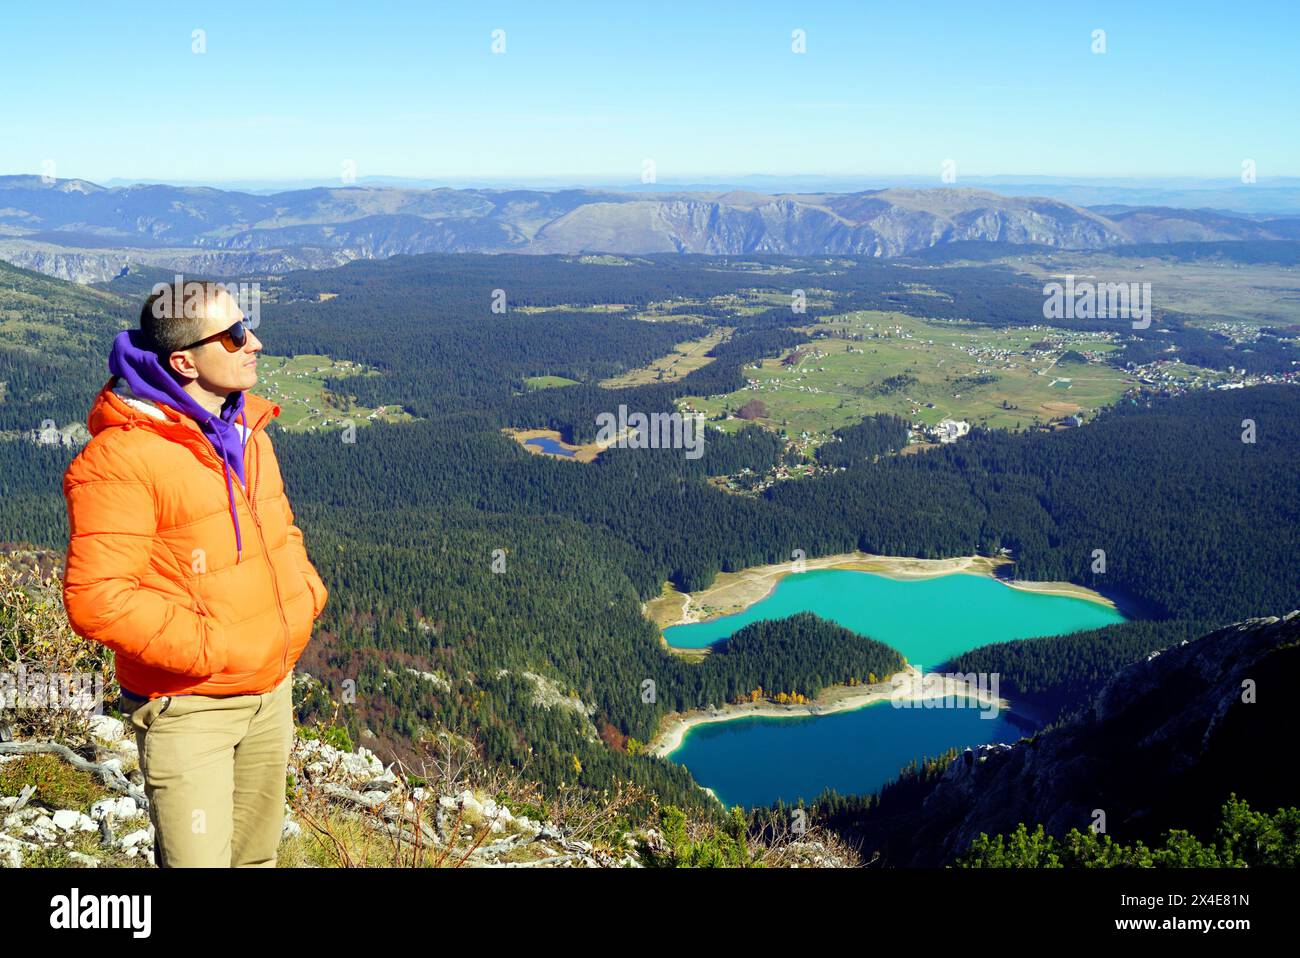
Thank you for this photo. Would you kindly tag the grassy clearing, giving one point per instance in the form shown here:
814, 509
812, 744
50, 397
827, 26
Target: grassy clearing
297, 384
569, 308
685, 358
1254, 294
548, 382
924, 371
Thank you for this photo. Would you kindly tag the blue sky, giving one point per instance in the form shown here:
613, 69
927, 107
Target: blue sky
590, 90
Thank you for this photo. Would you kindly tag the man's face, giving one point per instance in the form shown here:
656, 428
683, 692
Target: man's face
215, 369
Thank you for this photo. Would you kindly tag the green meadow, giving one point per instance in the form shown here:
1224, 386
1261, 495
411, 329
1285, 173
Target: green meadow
924, 370
297, 384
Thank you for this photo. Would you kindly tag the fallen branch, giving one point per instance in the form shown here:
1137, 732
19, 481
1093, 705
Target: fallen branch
111, 777
343, 795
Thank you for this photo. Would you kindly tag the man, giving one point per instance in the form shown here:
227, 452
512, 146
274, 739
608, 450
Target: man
184, 560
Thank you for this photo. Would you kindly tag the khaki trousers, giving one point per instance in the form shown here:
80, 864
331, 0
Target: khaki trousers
214, 770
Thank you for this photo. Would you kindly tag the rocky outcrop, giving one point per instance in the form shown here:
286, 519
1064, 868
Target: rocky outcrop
94, 265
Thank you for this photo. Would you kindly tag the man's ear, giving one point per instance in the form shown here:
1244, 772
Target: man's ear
182, 364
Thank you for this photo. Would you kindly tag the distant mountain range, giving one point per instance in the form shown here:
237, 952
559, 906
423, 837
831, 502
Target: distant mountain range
77, 230
1271, 195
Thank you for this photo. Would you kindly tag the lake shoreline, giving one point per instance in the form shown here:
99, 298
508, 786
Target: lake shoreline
674, 727
733, 592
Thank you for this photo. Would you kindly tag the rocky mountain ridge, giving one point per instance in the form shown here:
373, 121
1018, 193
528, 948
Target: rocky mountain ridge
83, 232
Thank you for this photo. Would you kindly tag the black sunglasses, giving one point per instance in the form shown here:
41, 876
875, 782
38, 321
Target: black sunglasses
232, 339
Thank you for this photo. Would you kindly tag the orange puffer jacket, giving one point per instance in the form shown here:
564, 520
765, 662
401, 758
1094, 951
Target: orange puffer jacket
152, 569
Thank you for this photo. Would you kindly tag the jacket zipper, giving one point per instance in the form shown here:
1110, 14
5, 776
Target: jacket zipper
252, 506
266, 555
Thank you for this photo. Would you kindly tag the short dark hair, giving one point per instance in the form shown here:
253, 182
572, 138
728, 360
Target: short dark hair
172, 317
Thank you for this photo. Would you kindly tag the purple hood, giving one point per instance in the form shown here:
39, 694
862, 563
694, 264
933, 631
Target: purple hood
148, 379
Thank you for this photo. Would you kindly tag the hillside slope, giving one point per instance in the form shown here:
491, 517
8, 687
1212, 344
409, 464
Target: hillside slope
71, 789
1162, 746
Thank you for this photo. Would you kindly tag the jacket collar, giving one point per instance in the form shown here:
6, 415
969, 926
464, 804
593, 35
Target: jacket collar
153, 410
116, 407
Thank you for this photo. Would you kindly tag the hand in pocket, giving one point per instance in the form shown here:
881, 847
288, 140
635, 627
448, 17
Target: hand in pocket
141, 713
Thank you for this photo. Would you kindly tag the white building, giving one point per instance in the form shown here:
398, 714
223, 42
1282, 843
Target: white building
950, 430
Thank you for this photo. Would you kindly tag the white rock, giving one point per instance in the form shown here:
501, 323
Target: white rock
139, 836
22, 817
109, 729
66, 819
469, 804
42, 829
115, 808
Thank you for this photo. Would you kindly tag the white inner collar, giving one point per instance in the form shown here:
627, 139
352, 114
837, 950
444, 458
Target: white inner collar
150, 408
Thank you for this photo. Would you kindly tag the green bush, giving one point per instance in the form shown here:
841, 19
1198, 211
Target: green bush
1245, 839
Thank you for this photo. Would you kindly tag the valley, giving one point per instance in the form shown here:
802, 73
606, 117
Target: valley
469, 460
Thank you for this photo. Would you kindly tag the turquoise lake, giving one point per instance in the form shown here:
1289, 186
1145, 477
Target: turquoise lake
928, 620
756, 760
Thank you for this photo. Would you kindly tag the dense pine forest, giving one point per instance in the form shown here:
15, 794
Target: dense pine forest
1062, 673
451, 551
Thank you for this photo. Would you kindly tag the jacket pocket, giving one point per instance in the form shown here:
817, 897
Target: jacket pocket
214, 653
298, 613
319, 595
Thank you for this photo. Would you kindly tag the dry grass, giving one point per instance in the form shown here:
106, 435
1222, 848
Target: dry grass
414, 830
61, 672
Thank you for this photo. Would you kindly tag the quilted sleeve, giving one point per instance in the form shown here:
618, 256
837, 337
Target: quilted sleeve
112, 522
